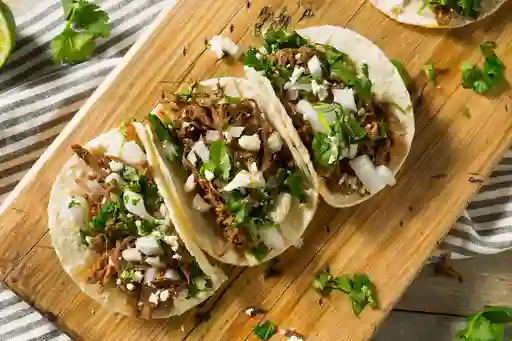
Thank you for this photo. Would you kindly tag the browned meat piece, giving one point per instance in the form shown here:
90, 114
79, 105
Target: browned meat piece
190, 131
237, 236
98, 243
98, 163
372, 129
194, 112
382, 152
101, 271
292, 57
115, 255
302, 126
220, 114
443, 16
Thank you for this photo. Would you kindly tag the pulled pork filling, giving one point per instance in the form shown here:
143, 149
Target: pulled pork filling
330, 102
240, 172
129, 229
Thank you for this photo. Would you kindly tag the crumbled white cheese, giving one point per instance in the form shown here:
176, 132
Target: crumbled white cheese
115, 166
129, 215
138, 223
249, 312
137, 276
250, 142
153, 298
274, 142
258, 56
177, 256
119, 282
190, 184
262, 50
201, 284
172, 241
131, 255
164, 295
130, 287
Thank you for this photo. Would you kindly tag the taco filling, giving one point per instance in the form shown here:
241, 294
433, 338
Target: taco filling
128, 227
238, 170
348, 132
445, 10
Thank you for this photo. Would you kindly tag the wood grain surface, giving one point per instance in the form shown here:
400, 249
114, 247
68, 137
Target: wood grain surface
388, 237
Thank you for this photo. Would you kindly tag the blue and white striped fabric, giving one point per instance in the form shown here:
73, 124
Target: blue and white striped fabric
38, 98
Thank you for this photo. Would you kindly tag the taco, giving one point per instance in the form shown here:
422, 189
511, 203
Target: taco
438, 13
115, 235
351, 111
234, 170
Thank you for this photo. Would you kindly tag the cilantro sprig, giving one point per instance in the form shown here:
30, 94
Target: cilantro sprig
484, 80
265, 330
86, 22
487, 325
359, 288
469, 8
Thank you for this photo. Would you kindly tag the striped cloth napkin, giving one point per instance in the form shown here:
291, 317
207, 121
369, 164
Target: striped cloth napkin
38, 98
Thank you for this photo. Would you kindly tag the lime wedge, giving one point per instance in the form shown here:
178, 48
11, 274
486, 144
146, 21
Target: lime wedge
7, 33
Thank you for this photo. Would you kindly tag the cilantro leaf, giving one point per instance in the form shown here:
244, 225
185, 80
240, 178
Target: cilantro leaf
220, 157
486, 325
294, 184
260, 251
85, 22
402, 71
363, 86
325, 151
275, 40
169, 140
265, 330
431, 72
238, 205
71, 46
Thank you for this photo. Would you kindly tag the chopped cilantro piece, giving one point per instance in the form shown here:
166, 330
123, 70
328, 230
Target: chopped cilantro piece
219, 155
170, 145
73, 203
259, 252
487, 325
402, 71
107, 211
275, 40
431, 72
265, 330
294, 183
359, 288
492, 75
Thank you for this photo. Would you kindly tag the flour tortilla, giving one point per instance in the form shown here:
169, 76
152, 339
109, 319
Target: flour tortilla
387, 86
76, 257
413, 14
297, 219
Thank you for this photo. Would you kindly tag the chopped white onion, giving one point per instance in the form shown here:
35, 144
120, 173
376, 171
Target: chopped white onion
149, 275
201, 150
250, 142
192, 157
201, 283
209, 175
366, 172
281, 208
148, 245
321, 90
132, 152
115, 166
213, 135
345, 97
245, 179
134, 203
171, 274
298, 86
155, 262
199, 204
113, 177
190, 184
172, 241
274, 142
131, 255
297, 72
272, 237
320, 122
386, 175
352, 150
232, 132
315, 67
220, 45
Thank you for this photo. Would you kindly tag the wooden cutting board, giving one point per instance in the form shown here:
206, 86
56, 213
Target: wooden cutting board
388, 237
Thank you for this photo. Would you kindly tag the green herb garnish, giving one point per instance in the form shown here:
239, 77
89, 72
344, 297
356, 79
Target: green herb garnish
492, 75
85, 23
221, 159
73, 203
431, 72
359, 288
259, 252
487, 325
402, 71
468, 8
265, 330
275, 40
